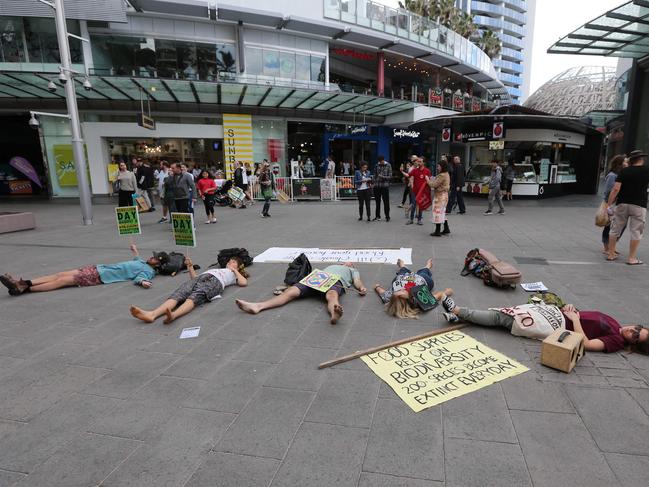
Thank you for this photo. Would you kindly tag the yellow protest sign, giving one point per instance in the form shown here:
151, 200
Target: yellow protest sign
433, 370
320, 280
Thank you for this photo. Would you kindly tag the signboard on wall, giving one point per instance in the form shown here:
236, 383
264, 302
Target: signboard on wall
237, 141
66, 172
546, 135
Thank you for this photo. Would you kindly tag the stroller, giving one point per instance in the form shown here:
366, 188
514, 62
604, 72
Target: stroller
221, 197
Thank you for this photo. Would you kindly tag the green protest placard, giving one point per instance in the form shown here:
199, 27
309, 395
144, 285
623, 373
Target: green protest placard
128, 220
183, 228
320, 280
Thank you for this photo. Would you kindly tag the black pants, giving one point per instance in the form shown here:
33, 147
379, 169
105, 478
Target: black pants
182, 206
209, 204
364, 198
452, 197
406, 193
125, 198
266, 208
382, 194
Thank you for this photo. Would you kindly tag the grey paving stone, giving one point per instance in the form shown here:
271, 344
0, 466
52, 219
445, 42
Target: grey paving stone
492, 424
627, 382
641, 396
231, 387
528, 393
134, 420
8, 479
614, 431
395, 429
558, 450
621, 373
299, 369
175, 455
115, 352
204, 360
24, 448
320, 334
379, 480
610, 361
168, 390
339, 448
264, 349
227, 469
471, 463
130, 375
266, 426
631, 470
86, 460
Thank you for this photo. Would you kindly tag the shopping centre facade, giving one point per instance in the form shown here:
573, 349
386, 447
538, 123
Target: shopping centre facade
281, 81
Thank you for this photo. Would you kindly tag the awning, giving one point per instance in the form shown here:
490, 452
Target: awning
249, 92
621, 32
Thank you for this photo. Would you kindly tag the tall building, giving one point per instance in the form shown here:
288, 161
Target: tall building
513, 21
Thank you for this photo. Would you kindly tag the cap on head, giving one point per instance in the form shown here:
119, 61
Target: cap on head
163, 257
635, 155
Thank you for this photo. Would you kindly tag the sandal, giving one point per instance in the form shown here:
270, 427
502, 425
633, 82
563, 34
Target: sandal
637, 262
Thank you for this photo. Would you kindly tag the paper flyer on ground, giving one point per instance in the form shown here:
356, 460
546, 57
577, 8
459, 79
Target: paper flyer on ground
534, 286
183, 229
356, 255
433, 370
128, 220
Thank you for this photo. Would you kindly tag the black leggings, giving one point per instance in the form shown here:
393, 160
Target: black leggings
364, 198
406, 193
126, 198
209, 204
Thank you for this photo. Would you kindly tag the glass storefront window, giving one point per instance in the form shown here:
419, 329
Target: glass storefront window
302, 67
253, 61
12, 43
187, 61
317, 68
268, 142
226, 58
167, 58
271, 62
287, 65
115, 55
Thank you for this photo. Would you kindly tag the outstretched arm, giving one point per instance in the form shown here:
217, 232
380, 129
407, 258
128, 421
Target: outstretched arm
190, 268
134, 250
358, 284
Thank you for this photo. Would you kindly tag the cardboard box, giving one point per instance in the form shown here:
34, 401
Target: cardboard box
562, 350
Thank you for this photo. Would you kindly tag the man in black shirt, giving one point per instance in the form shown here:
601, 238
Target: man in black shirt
630, 191
457, 186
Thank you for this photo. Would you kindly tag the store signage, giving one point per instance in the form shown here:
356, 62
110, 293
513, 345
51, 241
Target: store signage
446, 134
365, 56
237, 141
498, 130
545, 135
476, 106
496, 144
405, 134
436, 97
359, 130
473, 136
458, 102
145, 122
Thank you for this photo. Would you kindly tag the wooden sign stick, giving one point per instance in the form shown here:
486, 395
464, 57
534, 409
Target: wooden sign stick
360, 353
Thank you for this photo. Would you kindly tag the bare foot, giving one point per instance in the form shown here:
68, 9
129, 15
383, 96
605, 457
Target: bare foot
169, 317
429, 263
338, 313
251, 308
399, 263
140, 314
448, 291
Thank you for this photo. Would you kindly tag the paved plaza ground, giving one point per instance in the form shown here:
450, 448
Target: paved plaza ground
90, 396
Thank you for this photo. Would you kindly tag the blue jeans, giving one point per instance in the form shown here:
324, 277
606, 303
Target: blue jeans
413, 207
425, 273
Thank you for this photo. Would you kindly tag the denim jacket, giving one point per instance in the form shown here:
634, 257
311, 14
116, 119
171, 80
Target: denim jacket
358, 178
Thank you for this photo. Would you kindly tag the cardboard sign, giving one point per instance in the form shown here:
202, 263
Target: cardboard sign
183, 228
433, 370
128, 220
236, 194
423, 298
320, 280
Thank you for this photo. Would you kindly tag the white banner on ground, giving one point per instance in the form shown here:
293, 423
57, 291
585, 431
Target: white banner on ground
367, 256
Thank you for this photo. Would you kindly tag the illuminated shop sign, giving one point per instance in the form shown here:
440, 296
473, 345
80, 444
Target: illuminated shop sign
365, 56
405, 134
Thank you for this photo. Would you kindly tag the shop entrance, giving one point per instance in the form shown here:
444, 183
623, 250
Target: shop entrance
352, 151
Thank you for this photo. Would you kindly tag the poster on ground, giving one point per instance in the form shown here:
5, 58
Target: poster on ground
183, 229
320, 280
128, 220
433, 370
360, 255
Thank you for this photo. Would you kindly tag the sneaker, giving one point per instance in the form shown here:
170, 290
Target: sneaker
387, 218
207, 222
501, 212
488, 212
409, 222
152, 209
451, 318
399, 206
448, 303
162, 220
419, 222
360, 219
376, 219
262, 215
213, 220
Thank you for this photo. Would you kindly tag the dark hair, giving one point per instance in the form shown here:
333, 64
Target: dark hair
443, 166
209, 174
363, 163
616, 163
240, 267
381, 158
640, 347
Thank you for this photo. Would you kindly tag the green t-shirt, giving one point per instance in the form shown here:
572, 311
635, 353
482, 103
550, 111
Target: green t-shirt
346, 274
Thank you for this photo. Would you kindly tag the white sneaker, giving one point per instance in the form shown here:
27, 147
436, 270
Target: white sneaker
207, 222
213, 220
451, 318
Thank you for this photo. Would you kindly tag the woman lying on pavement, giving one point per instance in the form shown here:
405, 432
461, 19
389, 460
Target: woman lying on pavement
603, 333
349, 277
138, 270
198, 290
397, 300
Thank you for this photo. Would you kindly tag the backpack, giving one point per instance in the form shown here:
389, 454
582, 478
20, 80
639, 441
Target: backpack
226, 254
297, 270
493, 271
174, 266
548, 298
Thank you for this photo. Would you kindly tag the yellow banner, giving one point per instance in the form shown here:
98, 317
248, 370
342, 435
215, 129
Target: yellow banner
66, 172
433, 370
237, 141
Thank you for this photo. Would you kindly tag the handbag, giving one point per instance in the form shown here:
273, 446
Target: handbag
601, 217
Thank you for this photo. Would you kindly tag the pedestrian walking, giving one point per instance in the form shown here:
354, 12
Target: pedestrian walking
127, 185
456, 173
494, 189
146, 183
267, 184
615, 167
510, 175
363, 182
630, 191
382, 180
440, 185
206, 187
418, 185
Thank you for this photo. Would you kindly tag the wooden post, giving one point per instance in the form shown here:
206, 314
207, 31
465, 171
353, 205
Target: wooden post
360, 353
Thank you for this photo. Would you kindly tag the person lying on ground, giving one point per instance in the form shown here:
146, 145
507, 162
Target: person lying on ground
198, 290
397, 300
349, 276
138, 270
603, 333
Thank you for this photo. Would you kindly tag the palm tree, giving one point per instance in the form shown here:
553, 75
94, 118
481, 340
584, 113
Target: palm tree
489, 42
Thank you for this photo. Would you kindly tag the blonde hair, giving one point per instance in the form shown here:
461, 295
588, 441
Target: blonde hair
401, 308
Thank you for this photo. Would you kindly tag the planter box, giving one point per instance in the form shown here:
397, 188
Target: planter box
14, 222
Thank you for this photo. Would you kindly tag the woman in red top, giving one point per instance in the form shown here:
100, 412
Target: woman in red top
206, 187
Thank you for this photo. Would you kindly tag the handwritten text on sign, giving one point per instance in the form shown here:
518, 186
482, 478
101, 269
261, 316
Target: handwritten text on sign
433, 370
369, 256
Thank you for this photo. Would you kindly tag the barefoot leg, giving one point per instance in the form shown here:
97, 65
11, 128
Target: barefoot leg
58, 283
275, 302
140, 314
53, 277
333, 306
182, 310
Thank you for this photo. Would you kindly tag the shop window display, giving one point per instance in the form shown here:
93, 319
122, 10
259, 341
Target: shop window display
271, 62
285, 64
